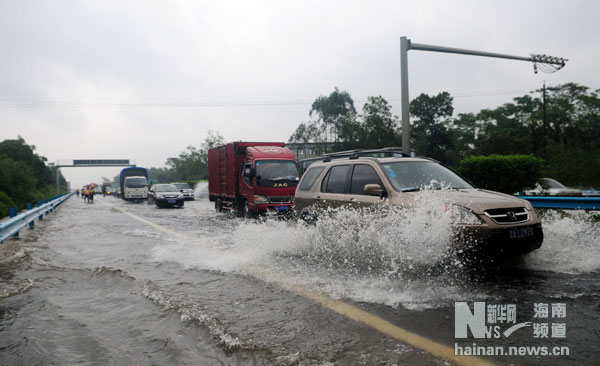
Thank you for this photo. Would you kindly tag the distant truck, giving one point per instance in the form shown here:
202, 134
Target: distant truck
133, 182
252, 177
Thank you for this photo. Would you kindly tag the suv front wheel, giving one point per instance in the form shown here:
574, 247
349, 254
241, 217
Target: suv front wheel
308, 217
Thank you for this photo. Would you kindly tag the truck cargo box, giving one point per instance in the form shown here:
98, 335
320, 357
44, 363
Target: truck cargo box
224, 167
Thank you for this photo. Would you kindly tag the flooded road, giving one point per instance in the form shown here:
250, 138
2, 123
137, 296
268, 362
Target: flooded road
130, 284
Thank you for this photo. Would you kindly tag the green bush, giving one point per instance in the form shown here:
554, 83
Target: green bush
502, 173
5, 204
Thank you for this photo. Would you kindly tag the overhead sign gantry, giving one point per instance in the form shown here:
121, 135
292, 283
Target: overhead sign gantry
89, 163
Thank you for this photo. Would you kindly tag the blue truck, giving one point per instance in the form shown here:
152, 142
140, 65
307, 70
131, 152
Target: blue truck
134, 183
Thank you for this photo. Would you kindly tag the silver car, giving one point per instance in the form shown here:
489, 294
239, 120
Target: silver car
184, 188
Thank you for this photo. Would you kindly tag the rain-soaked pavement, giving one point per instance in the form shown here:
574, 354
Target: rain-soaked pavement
114, 283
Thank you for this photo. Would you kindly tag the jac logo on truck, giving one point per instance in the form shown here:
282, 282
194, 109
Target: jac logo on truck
269, 150
280, 185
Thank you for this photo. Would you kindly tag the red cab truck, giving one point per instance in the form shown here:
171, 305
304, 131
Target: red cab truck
252, 177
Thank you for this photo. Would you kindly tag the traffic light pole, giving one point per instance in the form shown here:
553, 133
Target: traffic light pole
406, 45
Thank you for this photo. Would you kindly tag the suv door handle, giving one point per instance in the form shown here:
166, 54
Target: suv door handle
351, 199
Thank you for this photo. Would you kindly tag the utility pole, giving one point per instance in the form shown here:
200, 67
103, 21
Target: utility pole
544, 120
547, 64
545, 123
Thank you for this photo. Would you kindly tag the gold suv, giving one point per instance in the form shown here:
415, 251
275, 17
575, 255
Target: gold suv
492, 223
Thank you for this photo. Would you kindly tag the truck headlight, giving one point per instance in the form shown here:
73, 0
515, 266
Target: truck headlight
463, 216
260, 199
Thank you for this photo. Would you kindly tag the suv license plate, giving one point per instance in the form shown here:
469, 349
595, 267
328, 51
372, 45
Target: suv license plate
521, 232
281, 208
171, 201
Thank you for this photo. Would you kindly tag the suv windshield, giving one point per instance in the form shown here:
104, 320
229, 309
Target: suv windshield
269, 172
414, 175
182, 185
166, 188
138, 182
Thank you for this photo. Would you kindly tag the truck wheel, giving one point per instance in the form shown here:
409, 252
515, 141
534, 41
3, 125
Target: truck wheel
246, 213
218, 205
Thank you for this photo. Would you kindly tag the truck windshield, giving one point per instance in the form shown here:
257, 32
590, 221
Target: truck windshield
271, 172
413, 175
137, 182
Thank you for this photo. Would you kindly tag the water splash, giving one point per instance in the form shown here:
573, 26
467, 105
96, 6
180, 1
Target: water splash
571, 243
201, 190
379, 253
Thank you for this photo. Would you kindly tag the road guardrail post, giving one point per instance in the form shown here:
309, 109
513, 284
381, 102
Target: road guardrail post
12, 212
29, 207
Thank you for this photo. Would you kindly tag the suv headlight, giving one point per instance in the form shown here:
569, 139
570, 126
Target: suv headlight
180, 195
160, 196
463, 216
260, 199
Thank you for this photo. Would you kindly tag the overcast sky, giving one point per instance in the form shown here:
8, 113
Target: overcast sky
144, 79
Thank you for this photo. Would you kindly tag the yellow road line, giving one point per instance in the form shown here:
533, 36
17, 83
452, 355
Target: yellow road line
388, 328
350, 311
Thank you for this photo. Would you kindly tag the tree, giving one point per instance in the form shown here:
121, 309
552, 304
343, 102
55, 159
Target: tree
212, 139
379, 126
191, 164
335, 113
430, 129
306, 132
24, 176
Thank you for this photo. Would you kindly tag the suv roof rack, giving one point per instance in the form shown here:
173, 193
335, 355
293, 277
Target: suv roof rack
352, 154
355, 154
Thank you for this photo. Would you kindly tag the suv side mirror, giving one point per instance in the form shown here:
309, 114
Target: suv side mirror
374, 190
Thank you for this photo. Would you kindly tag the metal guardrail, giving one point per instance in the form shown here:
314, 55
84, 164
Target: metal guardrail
10, 227
565, 203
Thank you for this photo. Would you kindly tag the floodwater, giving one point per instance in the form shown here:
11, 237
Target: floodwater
115, 283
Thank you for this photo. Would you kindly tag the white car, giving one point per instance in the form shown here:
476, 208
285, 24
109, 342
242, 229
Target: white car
552, 187
185, 189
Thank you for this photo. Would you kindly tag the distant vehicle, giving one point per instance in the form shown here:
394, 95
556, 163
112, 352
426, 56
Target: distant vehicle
490, 224
552, 187
133, 182
106, 188
117, 192
252, 177
591, 193
188, 193
165, 195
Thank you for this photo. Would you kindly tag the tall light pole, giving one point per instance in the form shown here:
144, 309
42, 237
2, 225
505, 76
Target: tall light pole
404, 46
547, 64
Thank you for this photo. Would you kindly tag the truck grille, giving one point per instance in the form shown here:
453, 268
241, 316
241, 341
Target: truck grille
508, 215
281, 199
